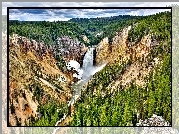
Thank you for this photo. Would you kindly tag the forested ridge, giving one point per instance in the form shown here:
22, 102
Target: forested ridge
46, 31
101, 27
98, 104
126, 106
75, 28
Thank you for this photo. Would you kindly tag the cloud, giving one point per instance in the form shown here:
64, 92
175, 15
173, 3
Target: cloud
147, 11
27, 17
66, 14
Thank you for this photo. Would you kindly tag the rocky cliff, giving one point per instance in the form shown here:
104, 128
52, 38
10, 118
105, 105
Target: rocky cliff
33, 78
135, 55
109, 52
71, 49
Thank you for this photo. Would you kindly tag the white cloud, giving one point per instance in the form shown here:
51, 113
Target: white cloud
147, 11
55, 14
82, 4
38, 17
57, 19
50, 12
27, 17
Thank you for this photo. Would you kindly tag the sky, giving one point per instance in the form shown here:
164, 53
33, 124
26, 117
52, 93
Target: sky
66, 14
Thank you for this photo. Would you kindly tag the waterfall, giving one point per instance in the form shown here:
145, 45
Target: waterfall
88, 64
87, 70
88, 59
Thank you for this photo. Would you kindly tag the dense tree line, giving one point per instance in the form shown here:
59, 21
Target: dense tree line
50, 113
127, 105
75, 28
45, 31
49, 110
160, 30
104, 26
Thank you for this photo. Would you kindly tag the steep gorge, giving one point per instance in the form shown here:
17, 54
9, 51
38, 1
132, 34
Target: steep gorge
42, 86
35, 77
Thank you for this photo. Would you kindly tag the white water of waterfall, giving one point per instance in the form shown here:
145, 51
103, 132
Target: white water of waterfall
88, 64
88, 68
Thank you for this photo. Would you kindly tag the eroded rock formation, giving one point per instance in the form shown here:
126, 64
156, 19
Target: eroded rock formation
134, 55
71, 49
33, 69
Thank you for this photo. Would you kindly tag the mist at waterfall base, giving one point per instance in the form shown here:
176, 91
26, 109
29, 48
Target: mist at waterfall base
90, 71
87, 70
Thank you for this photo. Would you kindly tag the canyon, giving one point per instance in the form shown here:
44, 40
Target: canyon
65, 83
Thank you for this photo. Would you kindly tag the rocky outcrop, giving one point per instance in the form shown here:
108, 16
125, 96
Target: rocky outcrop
68, 48
86, 39
154, 121
102, 52
120, 49
71, 49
